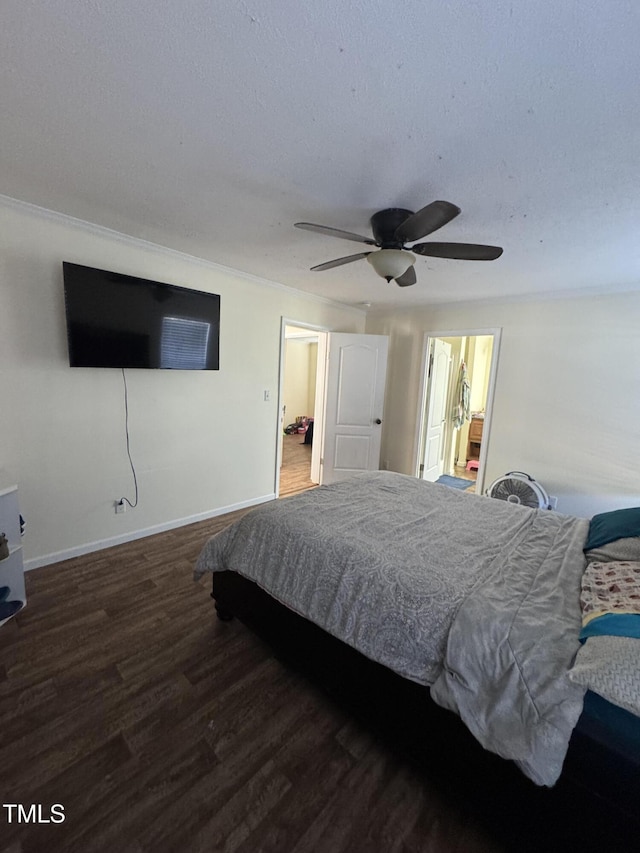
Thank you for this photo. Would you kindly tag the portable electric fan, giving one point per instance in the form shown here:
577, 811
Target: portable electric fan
516, 487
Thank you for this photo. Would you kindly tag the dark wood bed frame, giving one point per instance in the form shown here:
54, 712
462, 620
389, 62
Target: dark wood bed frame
594, 806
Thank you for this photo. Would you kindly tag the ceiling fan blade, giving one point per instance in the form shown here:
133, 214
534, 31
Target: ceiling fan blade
335, 232
458, 251
339, 261
407, 278
425, 221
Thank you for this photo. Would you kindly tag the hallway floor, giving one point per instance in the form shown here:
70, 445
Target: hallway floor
461, 471
296, 466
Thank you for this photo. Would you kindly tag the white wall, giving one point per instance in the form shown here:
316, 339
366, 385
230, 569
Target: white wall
311, 379
567, 401
201, 442
296, 385
480, 349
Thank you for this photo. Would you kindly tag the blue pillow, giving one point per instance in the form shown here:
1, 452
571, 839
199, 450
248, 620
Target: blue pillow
609, 526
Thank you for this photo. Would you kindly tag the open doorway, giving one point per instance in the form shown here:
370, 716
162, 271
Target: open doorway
343, 418
301, 407
455, 407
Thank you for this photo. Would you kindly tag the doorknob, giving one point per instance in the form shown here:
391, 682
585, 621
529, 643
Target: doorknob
378, 421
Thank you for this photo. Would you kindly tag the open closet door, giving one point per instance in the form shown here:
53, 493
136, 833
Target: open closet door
356, 375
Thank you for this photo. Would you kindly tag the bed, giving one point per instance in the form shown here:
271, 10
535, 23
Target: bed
467, 609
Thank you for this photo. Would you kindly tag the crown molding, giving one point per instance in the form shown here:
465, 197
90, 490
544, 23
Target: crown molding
137, 242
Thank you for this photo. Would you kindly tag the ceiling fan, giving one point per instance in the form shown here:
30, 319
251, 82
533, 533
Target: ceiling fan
392, 229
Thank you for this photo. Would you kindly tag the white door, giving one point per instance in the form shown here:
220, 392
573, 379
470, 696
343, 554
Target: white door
356, 374
436, 411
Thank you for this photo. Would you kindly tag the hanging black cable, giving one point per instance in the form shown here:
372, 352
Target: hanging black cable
126, 429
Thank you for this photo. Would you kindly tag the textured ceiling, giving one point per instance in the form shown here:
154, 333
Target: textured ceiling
212, 127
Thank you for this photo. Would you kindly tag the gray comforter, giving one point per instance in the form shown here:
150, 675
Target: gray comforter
476, 598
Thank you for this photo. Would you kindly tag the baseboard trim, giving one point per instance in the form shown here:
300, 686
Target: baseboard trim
101, 544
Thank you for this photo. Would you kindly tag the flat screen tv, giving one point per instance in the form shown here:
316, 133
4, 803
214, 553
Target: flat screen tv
116, 320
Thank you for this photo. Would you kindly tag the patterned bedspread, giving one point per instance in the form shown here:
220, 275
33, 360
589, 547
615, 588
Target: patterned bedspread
477, 598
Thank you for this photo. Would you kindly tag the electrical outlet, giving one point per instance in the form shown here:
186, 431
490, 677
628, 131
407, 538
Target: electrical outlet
553, 501
120, 506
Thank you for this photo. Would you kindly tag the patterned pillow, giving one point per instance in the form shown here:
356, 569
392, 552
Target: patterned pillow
608, 663
610, 667
612, 587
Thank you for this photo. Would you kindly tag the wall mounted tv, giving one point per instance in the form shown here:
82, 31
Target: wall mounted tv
116, 320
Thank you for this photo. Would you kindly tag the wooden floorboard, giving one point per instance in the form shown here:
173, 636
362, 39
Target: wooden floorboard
295, 472
160, 728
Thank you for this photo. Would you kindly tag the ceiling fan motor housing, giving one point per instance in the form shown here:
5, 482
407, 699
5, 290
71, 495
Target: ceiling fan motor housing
384, 224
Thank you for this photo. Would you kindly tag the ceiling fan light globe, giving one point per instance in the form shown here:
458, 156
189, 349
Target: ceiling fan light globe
391, 263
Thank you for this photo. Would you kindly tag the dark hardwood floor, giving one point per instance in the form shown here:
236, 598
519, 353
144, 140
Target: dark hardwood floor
159, 728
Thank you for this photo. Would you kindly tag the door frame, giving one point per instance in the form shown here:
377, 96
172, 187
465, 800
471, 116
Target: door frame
322, 333
424, 382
